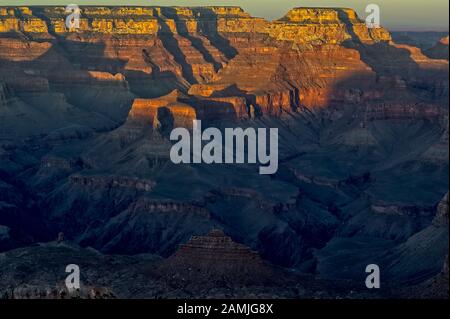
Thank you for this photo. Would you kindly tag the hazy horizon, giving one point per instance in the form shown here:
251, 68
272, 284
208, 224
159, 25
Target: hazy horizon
396, 15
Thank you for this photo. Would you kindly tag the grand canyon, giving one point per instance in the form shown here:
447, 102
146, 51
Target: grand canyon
86, 178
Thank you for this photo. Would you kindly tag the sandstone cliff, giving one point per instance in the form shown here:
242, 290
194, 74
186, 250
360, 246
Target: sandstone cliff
329, 25
151, 51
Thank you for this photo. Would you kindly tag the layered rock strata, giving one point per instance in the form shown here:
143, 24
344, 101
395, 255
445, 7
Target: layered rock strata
216, 254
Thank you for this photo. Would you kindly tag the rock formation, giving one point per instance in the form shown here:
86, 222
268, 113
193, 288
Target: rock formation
201, 49
85, 116
439, 51
438, 286
217, 257
58, 292
5, 93
441, 218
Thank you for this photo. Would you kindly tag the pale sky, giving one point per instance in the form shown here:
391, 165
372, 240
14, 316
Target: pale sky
395, 14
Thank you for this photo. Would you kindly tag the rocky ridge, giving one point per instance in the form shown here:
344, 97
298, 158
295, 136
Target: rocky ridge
439, 51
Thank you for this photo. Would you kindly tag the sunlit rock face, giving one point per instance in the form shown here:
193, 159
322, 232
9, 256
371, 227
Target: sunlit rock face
86, 115
200, 50
441, 218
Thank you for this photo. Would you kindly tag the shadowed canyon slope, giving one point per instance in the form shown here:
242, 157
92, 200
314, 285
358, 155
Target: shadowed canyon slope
85, 116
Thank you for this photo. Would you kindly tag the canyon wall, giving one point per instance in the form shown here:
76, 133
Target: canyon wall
301, 25
311, 57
